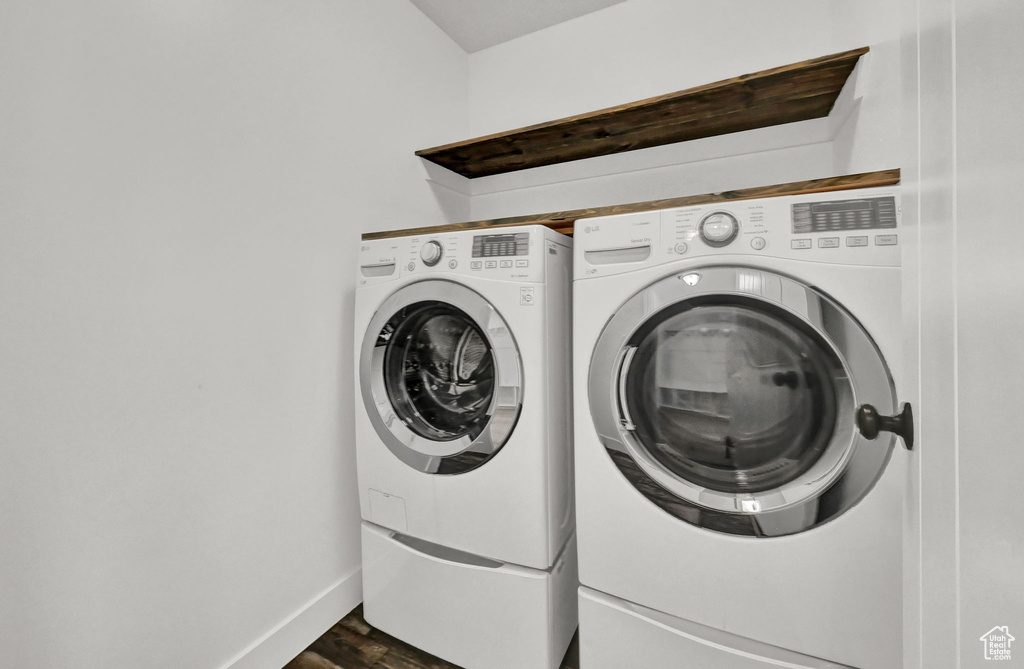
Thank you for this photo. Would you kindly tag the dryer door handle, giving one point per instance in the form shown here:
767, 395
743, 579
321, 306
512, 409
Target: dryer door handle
871, 423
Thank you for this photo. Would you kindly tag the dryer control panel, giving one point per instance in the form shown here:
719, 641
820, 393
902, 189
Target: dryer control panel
859, 227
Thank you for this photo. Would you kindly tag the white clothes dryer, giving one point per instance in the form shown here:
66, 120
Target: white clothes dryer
463, 444
739, 497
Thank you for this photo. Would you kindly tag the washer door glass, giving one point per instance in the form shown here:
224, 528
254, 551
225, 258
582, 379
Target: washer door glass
441, 377
732, 398
438, 371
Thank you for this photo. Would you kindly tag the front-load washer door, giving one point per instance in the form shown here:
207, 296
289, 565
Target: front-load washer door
441, 377
727, 396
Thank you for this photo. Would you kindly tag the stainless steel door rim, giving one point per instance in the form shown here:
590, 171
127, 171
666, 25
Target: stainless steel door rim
845, 466
420, 449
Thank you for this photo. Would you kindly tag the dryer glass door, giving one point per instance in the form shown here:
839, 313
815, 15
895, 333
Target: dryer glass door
441, 377
731, 397
729, 400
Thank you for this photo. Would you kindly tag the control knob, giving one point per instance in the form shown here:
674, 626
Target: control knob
719, 228
431, 253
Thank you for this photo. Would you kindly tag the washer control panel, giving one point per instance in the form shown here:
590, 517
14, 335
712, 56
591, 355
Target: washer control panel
513, 256
493, 246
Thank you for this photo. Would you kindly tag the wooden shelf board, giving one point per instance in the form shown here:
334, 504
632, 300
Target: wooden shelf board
786, 94
563, 221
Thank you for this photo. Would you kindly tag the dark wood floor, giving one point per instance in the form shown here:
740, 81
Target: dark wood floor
353, 644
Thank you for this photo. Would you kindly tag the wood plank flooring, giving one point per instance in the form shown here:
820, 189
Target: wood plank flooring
354, 644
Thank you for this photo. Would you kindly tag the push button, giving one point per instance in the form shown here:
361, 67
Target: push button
828, 243
452, 264
522, 263
681, 248
476, 264
491, 264
801, 243
758, 243
857, 240
506, 263
885, 240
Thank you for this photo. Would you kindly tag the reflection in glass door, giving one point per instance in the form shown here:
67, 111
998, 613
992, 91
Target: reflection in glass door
731, 397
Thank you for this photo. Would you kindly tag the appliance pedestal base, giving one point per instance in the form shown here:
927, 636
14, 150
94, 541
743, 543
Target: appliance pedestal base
477, 616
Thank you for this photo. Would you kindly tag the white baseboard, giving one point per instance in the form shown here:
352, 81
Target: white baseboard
278, 646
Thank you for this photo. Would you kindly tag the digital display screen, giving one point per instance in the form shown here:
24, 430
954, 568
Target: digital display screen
848, 205
844, 215
494, 246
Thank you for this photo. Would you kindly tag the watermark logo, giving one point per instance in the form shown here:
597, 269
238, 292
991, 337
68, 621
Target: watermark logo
997, 642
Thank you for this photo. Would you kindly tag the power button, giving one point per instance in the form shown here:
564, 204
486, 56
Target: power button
526, 296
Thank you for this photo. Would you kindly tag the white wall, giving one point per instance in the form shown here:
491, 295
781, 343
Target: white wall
634, 50
929, 261
182, 185
990, 320
963, 166
868, 130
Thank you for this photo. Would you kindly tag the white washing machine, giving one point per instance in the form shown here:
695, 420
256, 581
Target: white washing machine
463, 440
739, 489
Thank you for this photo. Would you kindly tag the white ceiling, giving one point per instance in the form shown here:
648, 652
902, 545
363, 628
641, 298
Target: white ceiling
478, 24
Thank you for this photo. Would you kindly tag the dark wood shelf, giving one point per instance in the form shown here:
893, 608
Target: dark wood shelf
564, 221
795, 92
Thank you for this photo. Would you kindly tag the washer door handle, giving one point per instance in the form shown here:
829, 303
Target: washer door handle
871, 423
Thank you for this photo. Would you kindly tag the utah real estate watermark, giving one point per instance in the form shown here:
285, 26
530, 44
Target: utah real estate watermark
997, 643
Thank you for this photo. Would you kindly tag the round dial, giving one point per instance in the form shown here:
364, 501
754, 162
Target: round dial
431, 253
719, 228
